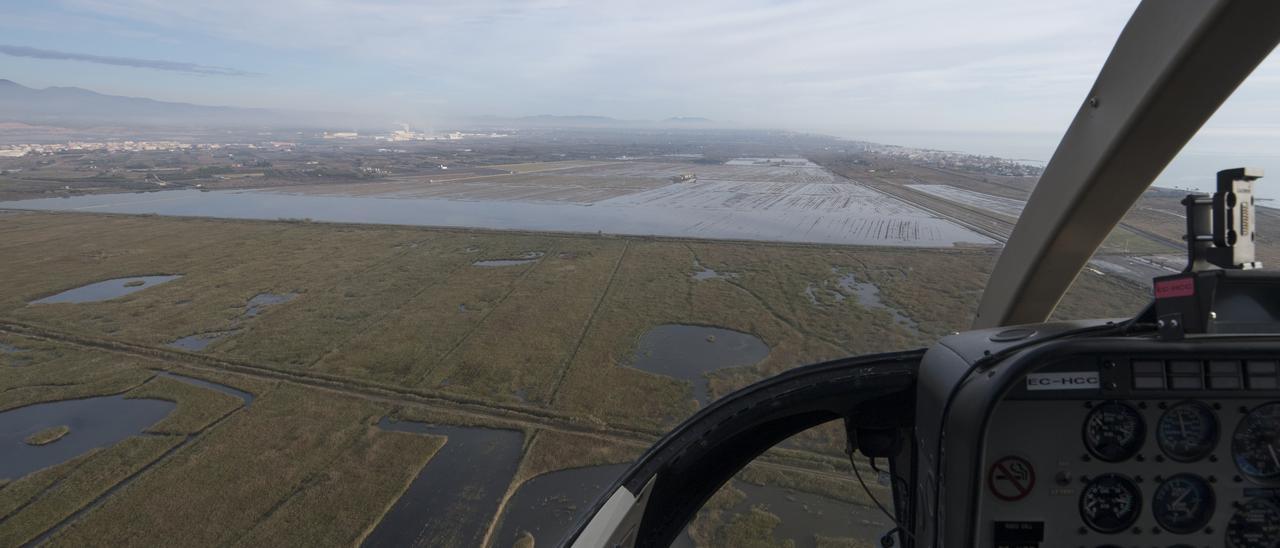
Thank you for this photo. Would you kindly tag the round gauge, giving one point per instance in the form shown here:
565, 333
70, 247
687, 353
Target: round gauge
1187, 432
1114, 431
1255, 525
1110, 503
1183, 503
1256, 443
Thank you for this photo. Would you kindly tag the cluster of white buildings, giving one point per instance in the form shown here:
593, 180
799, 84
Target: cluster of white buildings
959, 160
14, 151
406, 134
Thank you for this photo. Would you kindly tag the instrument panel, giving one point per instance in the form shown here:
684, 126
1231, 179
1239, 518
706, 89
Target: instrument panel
1102, 450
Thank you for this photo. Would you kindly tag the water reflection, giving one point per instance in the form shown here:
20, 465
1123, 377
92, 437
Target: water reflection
868, 295
702, 273
549, 505
246, 397
524, 258
850, 214
689, 352
261, 301
94, 422
105, 290
453, 499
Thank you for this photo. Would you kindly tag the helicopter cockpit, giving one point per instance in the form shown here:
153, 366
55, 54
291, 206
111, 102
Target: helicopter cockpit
1162, 429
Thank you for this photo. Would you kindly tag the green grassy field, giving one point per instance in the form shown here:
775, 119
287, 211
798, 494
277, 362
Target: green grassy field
405, 308
397, 321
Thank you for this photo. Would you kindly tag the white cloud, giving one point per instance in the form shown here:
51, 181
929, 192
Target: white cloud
824, 64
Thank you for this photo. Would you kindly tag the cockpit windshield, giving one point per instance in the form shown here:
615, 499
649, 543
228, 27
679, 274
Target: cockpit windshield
392, 273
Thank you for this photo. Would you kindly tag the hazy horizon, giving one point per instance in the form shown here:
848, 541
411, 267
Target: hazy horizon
820, 66
1000, 78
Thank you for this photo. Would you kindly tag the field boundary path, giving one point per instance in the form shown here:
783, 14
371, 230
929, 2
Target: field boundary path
446, 404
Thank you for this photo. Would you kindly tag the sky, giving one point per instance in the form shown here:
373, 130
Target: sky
999, 77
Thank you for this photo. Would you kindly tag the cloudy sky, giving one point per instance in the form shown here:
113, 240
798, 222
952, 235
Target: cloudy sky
901, 70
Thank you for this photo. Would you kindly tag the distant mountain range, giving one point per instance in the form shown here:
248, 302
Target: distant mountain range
72, 106
689, 120
78, 107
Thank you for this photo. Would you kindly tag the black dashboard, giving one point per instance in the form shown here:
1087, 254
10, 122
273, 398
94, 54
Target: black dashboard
1102, 442
1181, 450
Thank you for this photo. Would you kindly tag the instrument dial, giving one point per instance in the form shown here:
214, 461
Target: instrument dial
1110, 503
1187, 432
1256, 444
1114, 431
1183, 503
1255, 525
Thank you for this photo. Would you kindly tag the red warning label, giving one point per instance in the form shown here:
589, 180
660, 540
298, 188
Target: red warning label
1011, 478
1177, 287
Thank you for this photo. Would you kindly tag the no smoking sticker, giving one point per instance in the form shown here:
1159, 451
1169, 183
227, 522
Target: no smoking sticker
1011, 478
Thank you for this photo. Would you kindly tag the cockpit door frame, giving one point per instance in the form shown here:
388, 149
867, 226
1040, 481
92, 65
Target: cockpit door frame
664, 489
1174, 64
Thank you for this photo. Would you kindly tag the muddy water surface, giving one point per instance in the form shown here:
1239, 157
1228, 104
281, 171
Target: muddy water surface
261, 301
454, 498
524, 258
549, 505
246, 397
105, 290
689, 352
94, 422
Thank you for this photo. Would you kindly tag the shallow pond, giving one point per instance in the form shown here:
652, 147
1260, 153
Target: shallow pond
455, 496
261, 301
246, 397
549, 505
689, 352
868, 295
94, 422
256, 305
13, 355
524, 258
702, 273
105, 290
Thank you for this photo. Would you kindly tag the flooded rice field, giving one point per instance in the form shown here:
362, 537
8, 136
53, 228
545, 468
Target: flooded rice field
246, 397
559, 188
92, 423
524, 258
997, 204
774, 199
548, 506
689, 352
454, 498
105, 290
1140, 268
